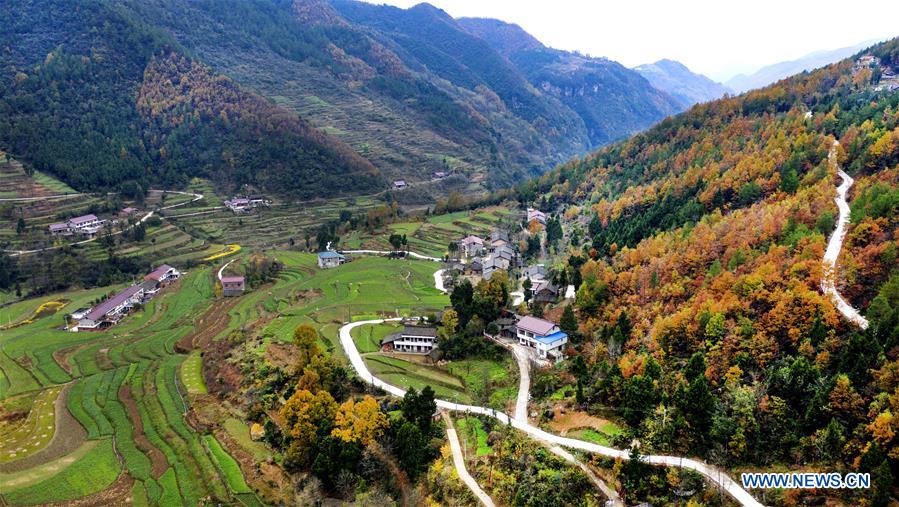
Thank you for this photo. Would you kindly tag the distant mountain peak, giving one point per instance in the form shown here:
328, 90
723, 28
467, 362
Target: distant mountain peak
507, 38
677, 79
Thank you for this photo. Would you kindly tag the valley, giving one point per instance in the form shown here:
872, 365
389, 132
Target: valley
327, 252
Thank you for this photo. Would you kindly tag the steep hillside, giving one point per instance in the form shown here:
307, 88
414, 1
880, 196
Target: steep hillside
611, 100
88, 95
697, 248
777, 71
678, 81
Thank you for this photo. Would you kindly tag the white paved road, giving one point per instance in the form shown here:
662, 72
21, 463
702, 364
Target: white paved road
828, 282
459, 463
716, 476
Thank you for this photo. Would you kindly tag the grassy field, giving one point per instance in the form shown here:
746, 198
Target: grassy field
18, 440
471, 431
368, 338
129, 383
93, 471
191, 376
239, 431
432, 236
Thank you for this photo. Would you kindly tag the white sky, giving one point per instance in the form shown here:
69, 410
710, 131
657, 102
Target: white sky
717, 38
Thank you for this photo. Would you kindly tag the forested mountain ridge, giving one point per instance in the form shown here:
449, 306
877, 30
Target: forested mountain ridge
697, 250
411, 92
677, 80
612, 100
69, 106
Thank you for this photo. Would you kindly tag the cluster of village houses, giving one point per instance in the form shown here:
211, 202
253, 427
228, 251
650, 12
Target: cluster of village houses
889, 79
110, 311
85, 225
478, 259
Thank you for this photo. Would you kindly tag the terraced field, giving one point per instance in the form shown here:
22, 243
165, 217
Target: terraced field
432, 236
128, 390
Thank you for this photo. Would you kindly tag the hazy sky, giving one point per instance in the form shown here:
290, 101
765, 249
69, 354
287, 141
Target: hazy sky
716, 38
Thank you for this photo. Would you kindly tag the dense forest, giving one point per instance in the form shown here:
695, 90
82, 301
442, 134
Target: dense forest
697, 252
89, 95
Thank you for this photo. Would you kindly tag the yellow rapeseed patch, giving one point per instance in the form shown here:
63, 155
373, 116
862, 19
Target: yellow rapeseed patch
230, 249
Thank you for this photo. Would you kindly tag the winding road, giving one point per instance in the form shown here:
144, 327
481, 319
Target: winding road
835, 245
716, 476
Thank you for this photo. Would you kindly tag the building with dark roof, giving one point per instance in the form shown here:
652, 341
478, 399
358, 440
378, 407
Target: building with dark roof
411, 340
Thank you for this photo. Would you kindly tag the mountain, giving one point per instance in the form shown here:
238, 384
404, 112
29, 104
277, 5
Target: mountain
611, 100
357, 93
775, 72
678, 81
697, 246
98, 97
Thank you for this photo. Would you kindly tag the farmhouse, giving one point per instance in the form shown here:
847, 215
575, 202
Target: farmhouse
411, 340
112, 310
399, 184
542, 335
60, 230
535, 272
535, 214
439, 175
544, 291
471, 246
247, 203
163, 275
232, 285
85, 224
127, 212
329, 259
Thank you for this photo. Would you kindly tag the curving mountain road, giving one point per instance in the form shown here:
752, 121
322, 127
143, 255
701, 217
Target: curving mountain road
832, 254
719, 478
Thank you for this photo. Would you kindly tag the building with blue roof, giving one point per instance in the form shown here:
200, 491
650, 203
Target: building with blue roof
330, 259
542, 335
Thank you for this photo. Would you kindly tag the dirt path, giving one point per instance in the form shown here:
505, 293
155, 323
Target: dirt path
158, 460
835, 245
68, 435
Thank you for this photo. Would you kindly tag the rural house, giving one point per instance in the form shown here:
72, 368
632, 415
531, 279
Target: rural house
471, 246
60, 230
542, 335
535, 214
329, 259
411, 340
112, 310
85, 224
399, 184
163, 275
232, 285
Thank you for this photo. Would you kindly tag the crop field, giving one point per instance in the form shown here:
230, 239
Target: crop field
432, 236
471, 432
191, 376
368, 338
129, 390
